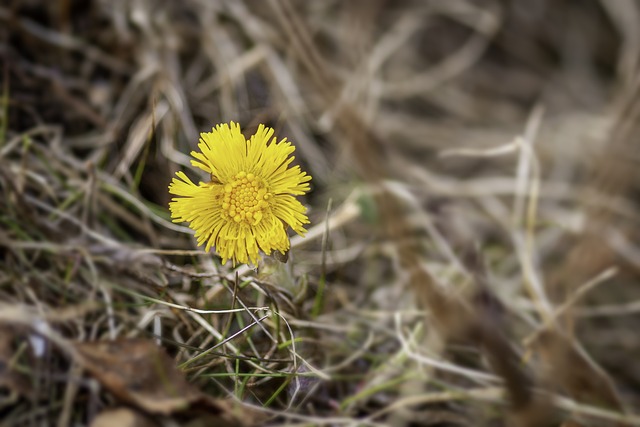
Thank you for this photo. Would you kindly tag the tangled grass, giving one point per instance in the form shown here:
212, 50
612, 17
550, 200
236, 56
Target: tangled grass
472, 255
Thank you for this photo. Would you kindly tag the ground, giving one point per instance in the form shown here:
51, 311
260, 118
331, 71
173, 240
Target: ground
471, 256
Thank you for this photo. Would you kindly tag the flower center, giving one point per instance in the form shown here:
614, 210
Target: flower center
245, 198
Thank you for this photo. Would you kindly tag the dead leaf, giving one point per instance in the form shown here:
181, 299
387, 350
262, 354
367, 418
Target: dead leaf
572, 368
122, 417
139, 373
15, 383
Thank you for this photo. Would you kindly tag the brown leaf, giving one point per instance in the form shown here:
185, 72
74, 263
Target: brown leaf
571, 367
138, 372
122, 417
16, 383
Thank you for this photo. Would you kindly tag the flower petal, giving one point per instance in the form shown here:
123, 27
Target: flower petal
250, 202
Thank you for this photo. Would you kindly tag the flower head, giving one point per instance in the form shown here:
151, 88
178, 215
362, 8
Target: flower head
249, 201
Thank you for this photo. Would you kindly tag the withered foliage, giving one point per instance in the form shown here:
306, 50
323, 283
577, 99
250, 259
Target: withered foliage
472, 257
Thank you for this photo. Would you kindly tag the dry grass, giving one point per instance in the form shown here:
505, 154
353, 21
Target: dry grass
472, 258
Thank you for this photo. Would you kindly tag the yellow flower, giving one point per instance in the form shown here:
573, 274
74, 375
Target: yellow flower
249, 201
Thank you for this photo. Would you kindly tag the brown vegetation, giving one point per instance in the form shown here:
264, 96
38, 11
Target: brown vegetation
472, 257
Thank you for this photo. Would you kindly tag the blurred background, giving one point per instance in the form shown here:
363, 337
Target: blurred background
491, 145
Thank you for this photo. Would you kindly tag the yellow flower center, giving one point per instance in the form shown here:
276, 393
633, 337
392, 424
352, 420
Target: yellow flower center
245, 198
